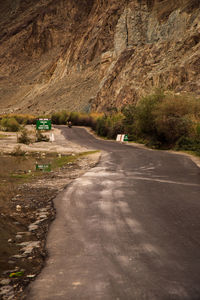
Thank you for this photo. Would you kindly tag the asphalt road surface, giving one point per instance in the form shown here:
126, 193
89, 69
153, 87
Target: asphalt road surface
128, 229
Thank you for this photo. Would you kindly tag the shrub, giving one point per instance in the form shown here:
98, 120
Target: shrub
161, 120
74, 117
189, 144
115, 125
93, 120
175, 117
23, 137
63, 117
41, 137
55, 118
10, 124
101, 126
144, 114
129, 120
60, 118
21, 119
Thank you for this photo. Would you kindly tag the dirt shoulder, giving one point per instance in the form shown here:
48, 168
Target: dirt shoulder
27, 216
8, 143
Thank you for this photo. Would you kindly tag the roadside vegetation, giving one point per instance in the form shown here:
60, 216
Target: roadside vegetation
14, 122
63, 160
17, 123
160, 120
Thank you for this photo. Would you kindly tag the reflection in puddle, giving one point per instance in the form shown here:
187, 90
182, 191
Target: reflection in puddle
18, 169
43, 167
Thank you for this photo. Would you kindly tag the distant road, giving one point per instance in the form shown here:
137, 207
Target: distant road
128, 229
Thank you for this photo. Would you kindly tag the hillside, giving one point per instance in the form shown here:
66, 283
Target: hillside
95, 54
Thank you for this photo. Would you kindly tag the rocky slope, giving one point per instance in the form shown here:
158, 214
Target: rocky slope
95, 54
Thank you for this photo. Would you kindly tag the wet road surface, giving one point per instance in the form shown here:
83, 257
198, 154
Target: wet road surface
128, 229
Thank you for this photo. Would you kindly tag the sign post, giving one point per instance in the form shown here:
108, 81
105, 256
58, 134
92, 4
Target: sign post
122, 138
126, 138
43, 124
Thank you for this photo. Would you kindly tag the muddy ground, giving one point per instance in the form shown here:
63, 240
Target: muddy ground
26, 208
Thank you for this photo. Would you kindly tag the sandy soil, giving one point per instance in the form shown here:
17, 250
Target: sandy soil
8, 143
29, 212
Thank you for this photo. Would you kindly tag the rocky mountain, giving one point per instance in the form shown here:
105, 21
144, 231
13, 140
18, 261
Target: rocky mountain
95, 54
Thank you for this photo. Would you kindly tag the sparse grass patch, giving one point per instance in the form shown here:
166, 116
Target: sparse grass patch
87, 153
65, 159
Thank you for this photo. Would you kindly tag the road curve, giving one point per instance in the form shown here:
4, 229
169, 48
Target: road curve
128, 229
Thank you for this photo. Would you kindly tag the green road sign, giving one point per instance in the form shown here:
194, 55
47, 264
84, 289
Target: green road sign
43, 124
43, 167
126, 138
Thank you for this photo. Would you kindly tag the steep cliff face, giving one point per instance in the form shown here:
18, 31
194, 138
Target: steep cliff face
83, 54
156, 44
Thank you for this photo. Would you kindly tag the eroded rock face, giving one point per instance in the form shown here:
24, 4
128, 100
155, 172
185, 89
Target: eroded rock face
152, 52
78, 55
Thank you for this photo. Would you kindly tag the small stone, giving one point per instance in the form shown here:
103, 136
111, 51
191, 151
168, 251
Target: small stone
24, 233
17, 256
5, 281
43, 209
10, 241
18, 236
29, 246
31, 276
18, 208
32, 227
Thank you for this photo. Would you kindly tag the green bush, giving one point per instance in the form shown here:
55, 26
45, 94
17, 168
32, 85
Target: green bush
144, 114
60, 118
101, 126
115, 125
10, 124
175, 117
189, 144
55, 118
129, 113
63, 118
21, 118
161, 120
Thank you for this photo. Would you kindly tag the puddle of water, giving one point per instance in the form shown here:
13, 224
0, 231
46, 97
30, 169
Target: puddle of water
21, 165
13, 169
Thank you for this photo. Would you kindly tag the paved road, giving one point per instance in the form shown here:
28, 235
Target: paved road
128, 229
